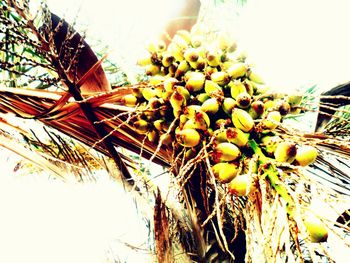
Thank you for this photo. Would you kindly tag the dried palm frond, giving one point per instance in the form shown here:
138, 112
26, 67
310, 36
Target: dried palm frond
56, 110
330, 103
66, 55
34, 47
41, 143
31, 156
162, 238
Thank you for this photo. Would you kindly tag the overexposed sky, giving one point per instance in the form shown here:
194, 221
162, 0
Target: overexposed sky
50, 221
297, 43
293, 43
123, 25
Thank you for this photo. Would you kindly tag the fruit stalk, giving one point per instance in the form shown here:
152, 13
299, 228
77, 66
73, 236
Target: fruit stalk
268, 170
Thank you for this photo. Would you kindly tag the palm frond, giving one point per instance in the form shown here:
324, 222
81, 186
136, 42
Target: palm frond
72, 61
161, 228
55, 109
31, 156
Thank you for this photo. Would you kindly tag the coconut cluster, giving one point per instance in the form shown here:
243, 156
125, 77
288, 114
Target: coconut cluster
205, 94
214, 96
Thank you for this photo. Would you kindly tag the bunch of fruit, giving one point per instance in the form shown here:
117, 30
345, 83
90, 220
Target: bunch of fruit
205, 95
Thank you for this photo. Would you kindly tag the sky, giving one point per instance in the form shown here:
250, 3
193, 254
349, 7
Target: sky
293, 44
50, 221
298, 43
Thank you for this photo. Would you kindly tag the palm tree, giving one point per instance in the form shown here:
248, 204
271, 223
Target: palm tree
51, 75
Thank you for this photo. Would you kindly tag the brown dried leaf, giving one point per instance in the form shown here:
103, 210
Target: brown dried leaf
161, 228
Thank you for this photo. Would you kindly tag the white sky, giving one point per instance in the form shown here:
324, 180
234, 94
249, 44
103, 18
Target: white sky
49, 221
299, 42
293, 43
